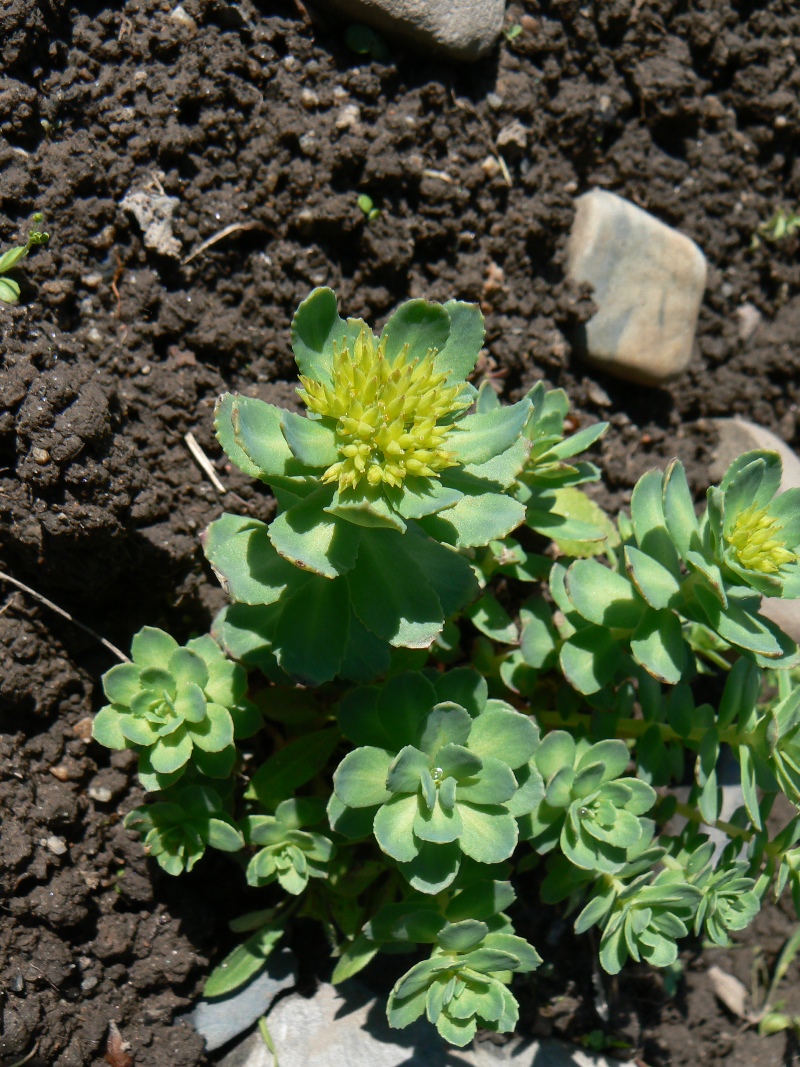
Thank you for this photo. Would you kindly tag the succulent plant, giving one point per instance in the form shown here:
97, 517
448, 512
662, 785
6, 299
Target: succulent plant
377, 487
289, 853
587, 807
174, 705
464, 983
440, 783
176, 830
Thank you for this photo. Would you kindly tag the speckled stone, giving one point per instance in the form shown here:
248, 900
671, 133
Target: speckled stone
648, 282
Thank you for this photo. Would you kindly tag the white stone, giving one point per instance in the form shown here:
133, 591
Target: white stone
735, 437
648, 283
153, 212
347, 1026
463, 29
748, 319
219, 1021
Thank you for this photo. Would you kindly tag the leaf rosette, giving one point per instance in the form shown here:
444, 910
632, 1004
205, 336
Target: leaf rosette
464, 984
593, 813
644, 920
378, 485
176, 830
432, 781
289, 854
174, 705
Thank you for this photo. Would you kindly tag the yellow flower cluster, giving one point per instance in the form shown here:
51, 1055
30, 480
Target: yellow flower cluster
387, 414
755, 538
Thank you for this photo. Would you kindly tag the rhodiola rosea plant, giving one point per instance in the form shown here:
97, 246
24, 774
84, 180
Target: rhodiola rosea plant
467, 671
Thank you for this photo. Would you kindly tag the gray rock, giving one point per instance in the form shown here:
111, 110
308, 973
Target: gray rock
736, 436
219, 1021
648, 283
463, 29
347, 1025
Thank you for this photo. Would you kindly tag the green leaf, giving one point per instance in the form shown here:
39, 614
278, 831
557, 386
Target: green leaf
446, 570
488, 835
367, 507
589, 659
360, 779
9, 291
390, 595
121, 683
170, 753
656, 583
482, 901
464, 343
245, 561
679, 513
250, 428
366, 657
490, 617
557, 750
354, 959
602, 596
418, 497
243, 963
190, 702
315, 327
538, 636
439, 824
394, 827
223, 835
739, 627
462, 936
434, 868
657, 645
493, 784
480, 438
476, 520
420, 325
107, 728
649, 524
311, 441
215, 732
311, 539
312, 631
598, 532
504, 735
291, 766
188, 666
464, 686
445, 724
749, 786
152, 648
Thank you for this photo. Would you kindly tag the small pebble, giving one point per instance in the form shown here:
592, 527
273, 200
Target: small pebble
83, 729
515, 135
348, 116
102, 794
89, 983
490, 167
748, 319
61, 772
40, 455
180, 15
57, 845
309, 99
598, 395
92, 281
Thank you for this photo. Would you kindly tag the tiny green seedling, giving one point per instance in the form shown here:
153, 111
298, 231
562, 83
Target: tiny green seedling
366, 42
466, 669
513, 32
9, 289
368, 207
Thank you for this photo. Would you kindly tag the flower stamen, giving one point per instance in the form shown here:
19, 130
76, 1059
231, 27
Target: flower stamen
387, 414
756, 541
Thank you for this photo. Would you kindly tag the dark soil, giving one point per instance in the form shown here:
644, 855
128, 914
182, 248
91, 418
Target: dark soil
255, 117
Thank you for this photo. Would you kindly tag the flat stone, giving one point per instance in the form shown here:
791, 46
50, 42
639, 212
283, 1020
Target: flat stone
154, 214
648, 281
221, 1020
347, 1025
463, 29
735, 437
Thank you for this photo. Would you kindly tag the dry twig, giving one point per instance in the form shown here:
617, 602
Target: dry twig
64, 614
203, 462
224, 232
